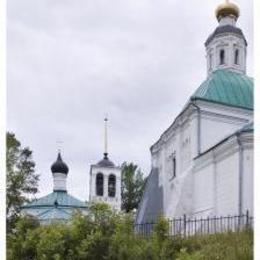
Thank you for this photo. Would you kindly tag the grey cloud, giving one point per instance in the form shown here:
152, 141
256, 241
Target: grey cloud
70, 62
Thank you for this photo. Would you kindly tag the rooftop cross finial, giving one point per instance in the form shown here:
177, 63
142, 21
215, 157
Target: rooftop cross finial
105, 137
59, 145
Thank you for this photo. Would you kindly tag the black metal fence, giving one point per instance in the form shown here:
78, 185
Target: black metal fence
200, 226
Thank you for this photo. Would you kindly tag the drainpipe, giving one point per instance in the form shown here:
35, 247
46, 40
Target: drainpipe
240, 184
198, 129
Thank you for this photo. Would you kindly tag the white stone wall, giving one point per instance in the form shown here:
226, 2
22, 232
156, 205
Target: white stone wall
180, 140
203, 191
227, 185
208, 186
218, 122
247, 142
248, 180
216, 177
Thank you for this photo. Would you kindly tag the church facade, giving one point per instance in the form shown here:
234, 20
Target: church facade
202, 165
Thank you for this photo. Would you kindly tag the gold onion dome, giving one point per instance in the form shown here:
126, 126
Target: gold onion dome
226, 9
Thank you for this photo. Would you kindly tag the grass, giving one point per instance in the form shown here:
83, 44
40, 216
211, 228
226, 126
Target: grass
225, 246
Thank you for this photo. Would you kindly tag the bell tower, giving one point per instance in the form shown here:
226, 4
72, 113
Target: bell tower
226, 46
105, 179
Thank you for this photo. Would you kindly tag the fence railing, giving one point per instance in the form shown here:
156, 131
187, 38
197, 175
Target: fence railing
200, 226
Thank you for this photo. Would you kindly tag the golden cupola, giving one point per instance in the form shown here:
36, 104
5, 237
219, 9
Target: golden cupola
227, 9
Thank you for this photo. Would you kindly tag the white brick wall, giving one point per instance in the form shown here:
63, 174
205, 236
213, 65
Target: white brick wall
248, 180
227, 173
211, 188
203, 195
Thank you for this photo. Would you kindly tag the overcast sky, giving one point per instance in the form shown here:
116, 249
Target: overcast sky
71, 62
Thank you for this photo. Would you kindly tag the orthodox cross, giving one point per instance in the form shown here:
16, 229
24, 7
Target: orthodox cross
59, 145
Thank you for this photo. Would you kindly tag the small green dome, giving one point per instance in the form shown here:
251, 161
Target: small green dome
228, 88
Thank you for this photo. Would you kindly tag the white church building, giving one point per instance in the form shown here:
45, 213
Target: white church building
59, 205
202, 165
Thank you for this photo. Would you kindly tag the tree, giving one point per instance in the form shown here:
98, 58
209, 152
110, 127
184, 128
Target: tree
133, 184
20, 244
21, 179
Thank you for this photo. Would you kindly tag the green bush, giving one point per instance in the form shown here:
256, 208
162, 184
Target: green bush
105, 234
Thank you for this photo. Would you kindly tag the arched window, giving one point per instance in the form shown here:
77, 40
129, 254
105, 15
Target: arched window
236, 56
99, 184
210, 61
112, 185
222, 57
174, 166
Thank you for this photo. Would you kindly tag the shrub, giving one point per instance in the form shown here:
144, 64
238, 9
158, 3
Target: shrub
105, 234
125, 244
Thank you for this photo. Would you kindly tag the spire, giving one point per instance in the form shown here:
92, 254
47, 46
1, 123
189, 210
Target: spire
105, 138
105, 162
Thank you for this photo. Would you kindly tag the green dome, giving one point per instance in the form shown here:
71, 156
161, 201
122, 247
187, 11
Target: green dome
228, 88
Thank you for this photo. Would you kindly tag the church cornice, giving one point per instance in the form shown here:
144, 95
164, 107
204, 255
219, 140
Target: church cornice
223, 31
105, 167
224, 148
206, 108
184, 117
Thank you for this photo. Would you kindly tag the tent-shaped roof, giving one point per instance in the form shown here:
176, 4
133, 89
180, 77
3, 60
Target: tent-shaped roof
56, 198
58, 205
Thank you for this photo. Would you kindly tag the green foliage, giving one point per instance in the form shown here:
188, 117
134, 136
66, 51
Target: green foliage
133, 184
125, 244
21, 178
20, 243
54, 242
161, 229
105, 234
159, 246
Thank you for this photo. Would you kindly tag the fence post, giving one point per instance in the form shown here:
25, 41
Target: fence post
215, 227
184, 224
247, 218
208, 223
201, 226
195, 226
228, 218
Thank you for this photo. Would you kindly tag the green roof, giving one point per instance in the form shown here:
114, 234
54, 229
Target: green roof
54, 214
58, 198
58, 205
228, 88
